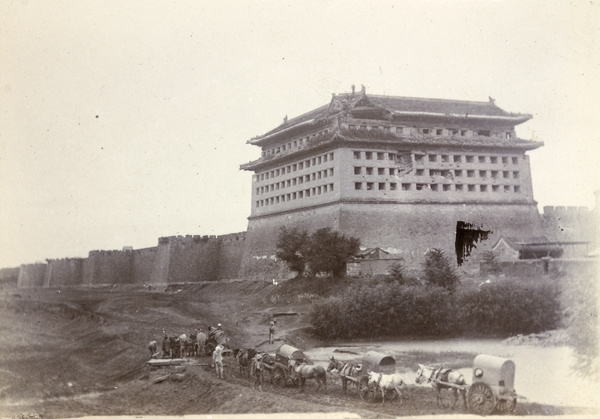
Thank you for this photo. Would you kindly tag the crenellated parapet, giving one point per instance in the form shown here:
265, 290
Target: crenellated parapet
569, 223
560, 211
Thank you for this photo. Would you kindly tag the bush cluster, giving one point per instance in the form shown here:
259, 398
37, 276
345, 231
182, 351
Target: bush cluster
397, 310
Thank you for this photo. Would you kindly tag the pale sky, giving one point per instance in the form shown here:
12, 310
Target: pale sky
125, 121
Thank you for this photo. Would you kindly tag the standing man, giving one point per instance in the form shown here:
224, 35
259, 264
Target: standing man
218, 360
271, 331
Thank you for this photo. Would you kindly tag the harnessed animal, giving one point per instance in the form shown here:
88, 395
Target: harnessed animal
200, 343
437, 377
386, 382
244, 359
345, 370
302, 371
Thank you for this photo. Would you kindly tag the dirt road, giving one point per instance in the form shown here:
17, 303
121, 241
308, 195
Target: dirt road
77, 352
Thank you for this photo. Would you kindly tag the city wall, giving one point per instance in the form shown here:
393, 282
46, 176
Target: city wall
405, 230
259, 259
31, 275
63, 272
9, 274
143, 265
536, 268
570, 223
175, 259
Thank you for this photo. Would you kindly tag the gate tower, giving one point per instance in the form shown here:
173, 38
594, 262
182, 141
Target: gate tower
396, 172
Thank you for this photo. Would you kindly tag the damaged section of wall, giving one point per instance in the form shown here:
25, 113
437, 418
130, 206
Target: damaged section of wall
410, 230
467, 237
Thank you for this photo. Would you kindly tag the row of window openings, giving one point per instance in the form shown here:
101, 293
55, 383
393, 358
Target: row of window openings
436, 172
295, 181
318, 190
296, 166
382, 186
444, 158
432, 131
293, 144
372, 155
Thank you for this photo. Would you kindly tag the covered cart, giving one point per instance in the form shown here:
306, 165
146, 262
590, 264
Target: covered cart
375, 362
493, 385
281, 373
216, 337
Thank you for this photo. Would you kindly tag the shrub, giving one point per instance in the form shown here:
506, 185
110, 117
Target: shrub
395, 310
580, 310
437, 270
509, 308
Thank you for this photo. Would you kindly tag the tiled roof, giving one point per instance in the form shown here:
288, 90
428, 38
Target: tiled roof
398, 105
441, 106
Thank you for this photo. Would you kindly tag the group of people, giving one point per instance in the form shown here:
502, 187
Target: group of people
213, 333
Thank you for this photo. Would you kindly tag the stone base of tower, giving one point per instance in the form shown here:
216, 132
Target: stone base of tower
405, 229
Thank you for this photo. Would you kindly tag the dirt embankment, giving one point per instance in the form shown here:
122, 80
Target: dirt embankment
75, 352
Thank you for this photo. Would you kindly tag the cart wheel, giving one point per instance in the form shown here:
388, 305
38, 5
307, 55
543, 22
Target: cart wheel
279, 377
481, 399
507, 406
391, 394
363, 388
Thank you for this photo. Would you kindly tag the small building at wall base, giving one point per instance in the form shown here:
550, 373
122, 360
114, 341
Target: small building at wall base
520, 248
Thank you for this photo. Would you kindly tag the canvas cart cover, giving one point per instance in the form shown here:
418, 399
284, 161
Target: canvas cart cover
378, 362
220, 337
288, 352
494, 371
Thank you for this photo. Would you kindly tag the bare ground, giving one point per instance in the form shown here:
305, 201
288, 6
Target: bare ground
74, 351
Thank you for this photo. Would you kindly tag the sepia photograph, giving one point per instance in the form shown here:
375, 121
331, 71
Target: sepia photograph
299, 209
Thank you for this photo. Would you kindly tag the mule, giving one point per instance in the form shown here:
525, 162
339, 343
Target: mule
244, 359
345, 370
437, 377
387, 383
200, 343
302, 371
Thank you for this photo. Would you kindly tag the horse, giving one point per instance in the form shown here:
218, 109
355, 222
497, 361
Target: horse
386, 382
152, 346
256, 371
244, 359
187, 345
345, 370
302, 371
437, 377
200, 343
